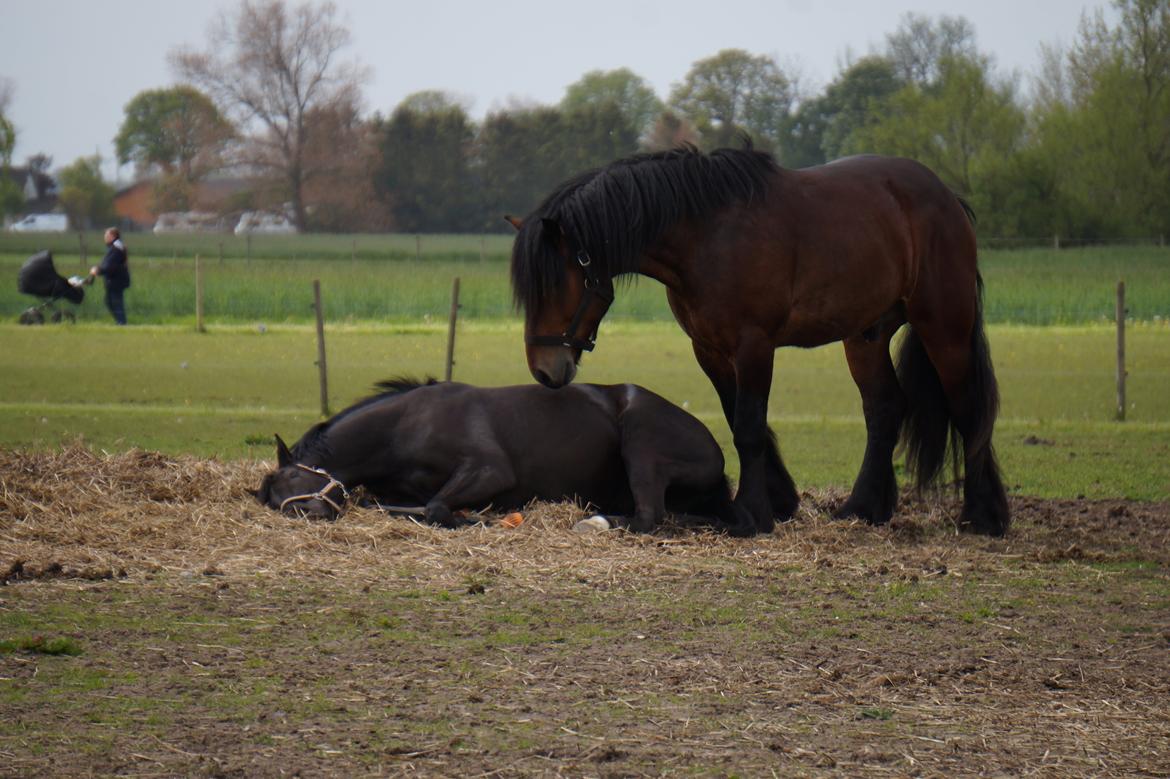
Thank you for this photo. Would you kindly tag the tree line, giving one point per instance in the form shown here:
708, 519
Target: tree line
1084, 153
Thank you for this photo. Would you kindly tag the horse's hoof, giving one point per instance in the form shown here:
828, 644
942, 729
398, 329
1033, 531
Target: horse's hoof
983, 524
852, 509
594, 524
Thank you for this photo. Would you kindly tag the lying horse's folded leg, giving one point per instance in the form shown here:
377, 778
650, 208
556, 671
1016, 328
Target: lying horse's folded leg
439, 513
473, 484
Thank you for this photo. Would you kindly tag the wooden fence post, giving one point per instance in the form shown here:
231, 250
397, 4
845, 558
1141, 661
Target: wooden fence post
451, 329
321, 368
1121, 313
198, 296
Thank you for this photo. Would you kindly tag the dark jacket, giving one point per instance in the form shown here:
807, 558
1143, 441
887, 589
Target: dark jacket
115, 265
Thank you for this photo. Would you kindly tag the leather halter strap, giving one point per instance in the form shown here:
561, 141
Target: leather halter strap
596, 289
321, 494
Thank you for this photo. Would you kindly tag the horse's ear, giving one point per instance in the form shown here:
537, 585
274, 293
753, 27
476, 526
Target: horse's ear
283, 455
513, 221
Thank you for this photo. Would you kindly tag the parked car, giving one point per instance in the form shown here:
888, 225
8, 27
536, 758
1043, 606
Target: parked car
188, 222
42, 223
262, 222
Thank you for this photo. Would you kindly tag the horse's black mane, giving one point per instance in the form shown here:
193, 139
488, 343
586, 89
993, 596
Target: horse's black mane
313, 441
614, 212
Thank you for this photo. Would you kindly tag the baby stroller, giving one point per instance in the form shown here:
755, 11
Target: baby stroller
39, 278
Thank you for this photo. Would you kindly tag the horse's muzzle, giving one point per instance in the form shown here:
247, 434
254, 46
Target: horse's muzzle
312, 508
556, 372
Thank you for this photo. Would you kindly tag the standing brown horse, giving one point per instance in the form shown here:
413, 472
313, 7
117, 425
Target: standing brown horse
754, 257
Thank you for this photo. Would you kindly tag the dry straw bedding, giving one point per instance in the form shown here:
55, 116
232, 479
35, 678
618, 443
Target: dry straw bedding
76, 512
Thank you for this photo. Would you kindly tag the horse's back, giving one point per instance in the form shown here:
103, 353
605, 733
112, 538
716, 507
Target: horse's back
894, 188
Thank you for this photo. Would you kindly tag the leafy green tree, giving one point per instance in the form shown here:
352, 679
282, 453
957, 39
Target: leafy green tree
434, 101
631, 93
734, 92
86, 197
424, 175
1107, 132
523, 154
177, 130
593, 136
951, 126
822, 128
967, 126
10, 195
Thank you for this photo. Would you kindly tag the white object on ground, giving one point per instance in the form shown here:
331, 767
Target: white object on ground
593, 524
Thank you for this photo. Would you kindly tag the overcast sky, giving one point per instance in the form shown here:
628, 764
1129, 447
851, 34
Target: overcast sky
74, 64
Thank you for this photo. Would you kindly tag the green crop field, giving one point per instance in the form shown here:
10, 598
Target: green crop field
398, 278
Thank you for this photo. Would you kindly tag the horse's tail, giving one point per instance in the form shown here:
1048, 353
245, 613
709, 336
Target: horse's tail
929, 433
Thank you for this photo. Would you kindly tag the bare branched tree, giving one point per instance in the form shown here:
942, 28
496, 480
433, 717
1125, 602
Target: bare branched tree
271, 66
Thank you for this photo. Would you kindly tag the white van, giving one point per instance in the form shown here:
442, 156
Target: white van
261, 222
188, 222
42, 223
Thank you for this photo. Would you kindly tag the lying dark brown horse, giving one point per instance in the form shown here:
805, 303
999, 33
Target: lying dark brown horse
621, 449
755, 257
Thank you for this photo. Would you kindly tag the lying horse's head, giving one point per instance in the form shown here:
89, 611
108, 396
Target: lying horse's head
301, 490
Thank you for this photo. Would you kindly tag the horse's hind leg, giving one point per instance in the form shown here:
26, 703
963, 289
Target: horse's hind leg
663, 448
875, 493
961, 358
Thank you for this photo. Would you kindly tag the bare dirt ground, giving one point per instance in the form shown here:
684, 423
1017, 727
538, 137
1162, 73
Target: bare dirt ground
154, 620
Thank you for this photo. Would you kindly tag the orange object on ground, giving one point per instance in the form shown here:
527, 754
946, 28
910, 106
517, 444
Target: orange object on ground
515, 519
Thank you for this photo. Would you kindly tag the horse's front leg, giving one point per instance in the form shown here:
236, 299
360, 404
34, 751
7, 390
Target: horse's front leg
724, 372
473, 483
749, 428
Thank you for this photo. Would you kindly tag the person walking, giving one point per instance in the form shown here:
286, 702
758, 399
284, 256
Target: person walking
115, 267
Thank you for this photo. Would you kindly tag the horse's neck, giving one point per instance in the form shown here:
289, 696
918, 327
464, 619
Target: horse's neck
349, 446
664, 260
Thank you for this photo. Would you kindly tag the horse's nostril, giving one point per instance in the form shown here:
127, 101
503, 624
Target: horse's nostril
544, 378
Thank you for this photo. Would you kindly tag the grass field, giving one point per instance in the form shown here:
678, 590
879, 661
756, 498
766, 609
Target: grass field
382, 278
225, 392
